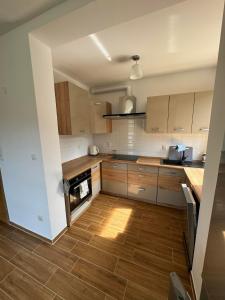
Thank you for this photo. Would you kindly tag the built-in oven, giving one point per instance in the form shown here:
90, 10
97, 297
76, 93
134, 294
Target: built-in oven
192, 207
77, 190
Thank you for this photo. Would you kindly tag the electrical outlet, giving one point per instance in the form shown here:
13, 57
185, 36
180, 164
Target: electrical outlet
40, 218
33, 156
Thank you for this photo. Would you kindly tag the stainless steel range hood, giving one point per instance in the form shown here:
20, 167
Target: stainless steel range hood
127, 110
140, 115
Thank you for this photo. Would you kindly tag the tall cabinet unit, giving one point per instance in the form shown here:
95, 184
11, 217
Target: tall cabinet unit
202, 112
73, 109
157, 114
181, 113
99, 125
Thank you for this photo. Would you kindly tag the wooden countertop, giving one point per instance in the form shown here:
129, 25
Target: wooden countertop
195, 177
76, 166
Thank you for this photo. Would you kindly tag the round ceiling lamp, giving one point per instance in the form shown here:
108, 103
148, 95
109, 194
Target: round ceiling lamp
136, 70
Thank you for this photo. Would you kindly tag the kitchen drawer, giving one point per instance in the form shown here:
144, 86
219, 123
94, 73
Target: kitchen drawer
95, 173
142, 168
96, 188
145, 179
171, 183
114, 172
116, 166
144, 193
171, 172
171, 198
114, 187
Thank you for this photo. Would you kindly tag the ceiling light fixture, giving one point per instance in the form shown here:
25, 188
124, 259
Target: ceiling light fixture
100, 46
136, 70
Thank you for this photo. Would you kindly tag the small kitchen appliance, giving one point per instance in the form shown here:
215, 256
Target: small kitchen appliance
93, 150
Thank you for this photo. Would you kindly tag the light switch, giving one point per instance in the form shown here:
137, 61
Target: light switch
33, 156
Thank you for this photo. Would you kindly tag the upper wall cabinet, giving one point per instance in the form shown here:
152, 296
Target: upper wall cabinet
180, 113
202, 112
73, 106
157, 114
99, 125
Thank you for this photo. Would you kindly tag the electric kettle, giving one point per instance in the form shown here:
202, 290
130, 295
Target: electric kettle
93, 150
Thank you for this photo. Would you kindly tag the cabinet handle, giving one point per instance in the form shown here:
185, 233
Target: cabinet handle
95, 167
141, 189
139, 175
82, 131
115, 166
204, 129
155, 129
178, 129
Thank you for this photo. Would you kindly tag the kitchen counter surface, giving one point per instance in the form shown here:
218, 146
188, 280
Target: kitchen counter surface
76, 166
195, 177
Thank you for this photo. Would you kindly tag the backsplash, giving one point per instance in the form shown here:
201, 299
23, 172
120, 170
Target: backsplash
129, 137
72, 147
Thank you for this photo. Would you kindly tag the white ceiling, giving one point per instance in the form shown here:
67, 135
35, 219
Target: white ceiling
16, 12
181, 37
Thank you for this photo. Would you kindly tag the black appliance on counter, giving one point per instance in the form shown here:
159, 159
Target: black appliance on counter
183, 158
77, 190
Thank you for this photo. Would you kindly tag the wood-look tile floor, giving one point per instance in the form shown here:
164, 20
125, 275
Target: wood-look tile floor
118, 249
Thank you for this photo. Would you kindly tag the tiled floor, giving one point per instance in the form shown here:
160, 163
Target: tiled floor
119, 249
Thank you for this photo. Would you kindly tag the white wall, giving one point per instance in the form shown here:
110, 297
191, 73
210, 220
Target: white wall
128, 136
25, 177
215, 145
41, 58
73, 147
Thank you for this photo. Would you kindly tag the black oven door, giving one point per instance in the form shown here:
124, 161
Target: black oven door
77, 195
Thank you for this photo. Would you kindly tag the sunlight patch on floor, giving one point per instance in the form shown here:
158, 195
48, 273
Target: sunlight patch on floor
117, 223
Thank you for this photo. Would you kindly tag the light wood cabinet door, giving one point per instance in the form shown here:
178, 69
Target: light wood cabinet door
114, 178
99, 125
63, 108
180, 113
79, 109
73, 109
95, 180
157, 114
169, 187
202, 112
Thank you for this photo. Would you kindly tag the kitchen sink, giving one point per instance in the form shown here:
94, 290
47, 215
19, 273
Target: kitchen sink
193, 164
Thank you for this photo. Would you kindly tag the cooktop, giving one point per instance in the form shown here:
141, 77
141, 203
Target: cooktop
125, 157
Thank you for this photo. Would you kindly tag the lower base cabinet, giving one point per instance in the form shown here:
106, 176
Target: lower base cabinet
155, 185
95, 180
139, 192
114, 178
169, 187
142, 183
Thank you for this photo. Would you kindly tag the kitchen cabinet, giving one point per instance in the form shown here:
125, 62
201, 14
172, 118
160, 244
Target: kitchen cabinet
114, 178
180, 113
169, 187
95, 180
99, 125
73, 107
202, 112
142, 183
157, 114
